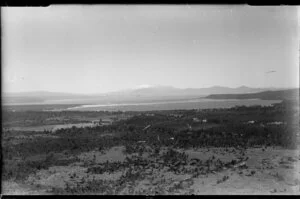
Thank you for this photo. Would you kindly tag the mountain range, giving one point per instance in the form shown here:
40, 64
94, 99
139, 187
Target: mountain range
145, 93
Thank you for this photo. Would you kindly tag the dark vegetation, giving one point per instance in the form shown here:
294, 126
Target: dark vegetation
266, 95
19, 169
138, 168
223, 128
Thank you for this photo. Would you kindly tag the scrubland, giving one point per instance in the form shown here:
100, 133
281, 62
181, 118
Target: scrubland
241, 150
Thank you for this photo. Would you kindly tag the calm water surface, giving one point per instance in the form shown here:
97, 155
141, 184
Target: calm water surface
173, 105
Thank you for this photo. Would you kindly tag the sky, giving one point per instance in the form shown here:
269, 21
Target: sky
104, 48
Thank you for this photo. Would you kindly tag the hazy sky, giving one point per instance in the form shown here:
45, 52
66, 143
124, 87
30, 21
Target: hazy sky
90, 49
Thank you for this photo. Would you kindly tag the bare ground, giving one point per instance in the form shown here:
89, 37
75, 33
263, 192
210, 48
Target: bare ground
266, 171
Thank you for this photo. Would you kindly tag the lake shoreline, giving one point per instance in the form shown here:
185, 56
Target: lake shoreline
173, 105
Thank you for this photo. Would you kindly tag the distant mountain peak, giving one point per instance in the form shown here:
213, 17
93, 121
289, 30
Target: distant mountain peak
144, 86
217, 86
243, 86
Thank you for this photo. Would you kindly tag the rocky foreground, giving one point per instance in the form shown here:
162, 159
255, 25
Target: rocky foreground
146, 170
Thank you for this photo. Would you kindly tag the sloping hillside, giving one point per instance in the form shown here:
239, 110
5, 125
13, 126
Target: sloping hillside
266, 95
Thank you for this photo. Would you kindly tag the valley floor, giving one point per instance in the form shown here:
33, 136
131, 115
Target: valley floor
241, 150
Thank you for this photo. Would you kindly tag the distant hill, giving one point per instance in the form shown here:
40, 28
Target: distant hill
288, 94
36, 97
172, 91
42, 94
141, 94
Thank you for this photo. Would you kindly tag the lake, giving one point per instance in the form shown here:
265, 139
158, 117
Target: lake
173, 105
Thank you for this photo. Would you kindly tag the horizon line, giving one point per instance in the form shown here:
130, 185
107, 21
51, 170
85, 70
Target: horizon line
136, 88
